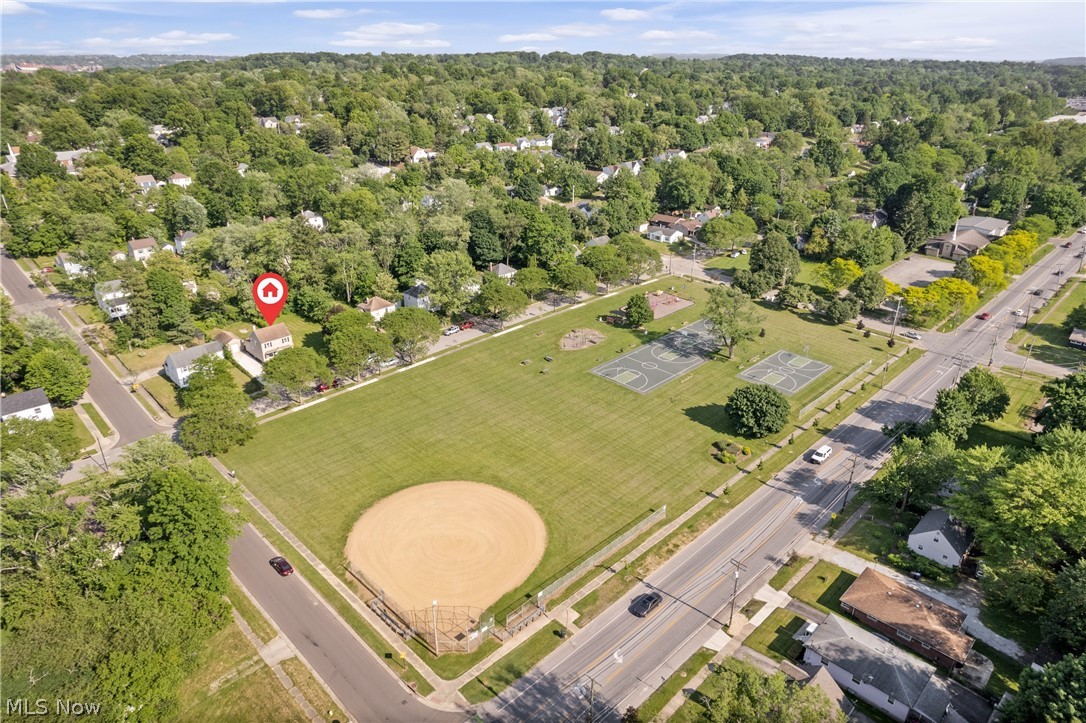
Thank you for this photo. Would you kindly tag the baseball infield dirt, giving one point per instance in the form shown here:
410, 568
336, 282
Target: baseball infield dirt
460, 543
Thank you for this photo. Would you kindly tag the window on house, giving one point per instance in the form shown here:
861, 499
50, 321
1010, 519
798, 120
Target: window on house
944, 557
925, 646
268, 345
920, 547
890, 699
37, 410
856, 680
871, 617
904, 636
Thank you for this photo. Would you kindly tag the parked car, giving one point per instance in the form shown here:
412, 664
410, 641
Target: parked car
1067, 245
322, 387
465, 325
281, 566
821, 454
985, 316
338, 382
1038, 292
734, 254
451, 330
645, 604
911, 335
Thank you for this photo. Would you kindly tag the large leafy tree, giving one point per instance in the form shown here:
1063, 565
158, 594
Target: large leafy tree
758, 410
869, 289
741, 692
606, 263
572, 279
411, 331
986, 392
449, 275
728, 232
731, 317
500, 300
917, 471
776, 257
297, 369
532, 280
683, 184
638, 311
217, 416
62, 374
641, 259
1064, 623
1066, 402
1055, 693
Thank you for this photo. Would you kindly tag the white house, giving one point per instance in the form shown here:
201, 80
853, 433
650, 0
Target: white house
180, 179
180, 365
941, 538
866, 665
993, 228
417, 155
117, 255
146, 183
669, 155
112, 298
266, 342
141, 249
270, 122
664, 234
376, 307
418, 297
31, 404
484, 146
181, 240
242, 168
314, 219
505, 146
69, 265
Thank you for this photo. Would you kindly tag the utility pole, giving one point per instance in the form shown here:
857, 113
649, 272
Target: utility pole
995, 339
105, 462
897, 311
1029, 353
437, 651
735, 591
851, 474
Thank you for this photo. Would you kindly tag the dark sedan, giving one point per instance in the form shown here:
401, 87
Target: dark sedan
645, 604
281, 565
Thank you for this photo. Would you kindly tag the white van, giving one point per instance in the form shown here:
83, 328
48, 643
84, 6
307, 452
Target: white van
821, 454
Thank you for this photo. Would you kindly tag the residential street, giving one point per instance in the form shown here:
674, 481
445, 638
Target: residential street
123, 413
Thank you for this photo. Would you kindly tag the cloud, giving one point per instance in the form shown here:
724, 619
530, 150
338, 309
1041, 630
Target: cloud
172, 40
392, 35
12, 7
326, 14
557, 32
664, 35
624, 14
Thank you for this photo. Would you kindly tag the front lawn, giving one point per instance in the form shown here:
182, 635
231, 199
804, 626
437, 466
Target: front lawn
1013, 428
1024, 629
1045, 330
86, 439
823, 587
142, 360
591, 455
787, 572
165, 393
773, 637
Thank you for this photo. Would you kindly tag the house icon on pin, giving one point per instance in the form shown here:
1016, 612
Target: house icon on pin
270, 291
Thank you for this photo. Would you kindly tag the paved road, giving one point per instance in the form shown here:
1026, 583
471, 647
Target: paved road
124, 414
361, 682
618, 659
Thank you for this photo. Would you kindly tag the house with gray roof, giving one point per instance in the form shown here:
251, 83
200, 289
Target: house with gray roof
69, 265
940, 538
866, 666
266, 342
112, 298
31, 404
598, 241
991, 227
1077, 339
504, 271
180, 365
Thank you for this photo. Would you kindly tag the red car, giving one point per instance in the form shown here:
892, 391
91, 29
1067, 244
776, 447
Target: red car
281, 566
466, 325
985, 316
322, 387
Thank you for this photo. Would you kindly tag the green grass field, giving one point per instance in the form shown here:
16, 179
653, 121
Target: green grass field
591, 455
510, 668
823, 586
141, 360
1046, 333
1013, 427
787, 572
86, 439
165, 393
773, 637
96, 417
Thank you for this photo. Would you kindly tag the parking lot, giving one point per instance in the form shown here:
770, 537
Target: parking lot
918, 270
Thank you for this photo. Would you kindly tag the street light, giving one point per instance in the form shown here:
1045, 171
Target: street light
735, 593
851, 473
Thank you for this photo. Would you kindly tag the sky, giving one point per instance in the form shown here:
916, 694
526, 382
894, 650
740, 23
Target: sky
938, 29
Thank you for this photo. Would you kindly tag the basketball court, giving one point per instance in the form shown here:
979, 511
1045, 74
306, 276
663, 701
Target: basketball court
785, 371
653, 365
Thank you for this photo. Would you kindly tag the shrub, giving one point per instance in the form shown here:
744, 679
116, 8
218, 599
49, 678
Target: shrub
727, 458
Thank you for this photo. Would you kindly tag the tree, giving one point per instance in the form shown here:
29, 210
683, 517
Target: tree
869, 289
829, 153
1056, 693
987, 273
1063, 204
683, 184
986, 393
953, 414
63, 374
918, 469
448, 274
1066, 402
776, 257
532, 280
638, 311
38, 161
411, 330
606, 263
296, 369
838, 273
217, 416
500, 300
143, 156
1076, 319
571, 279
731, 317
641, 259
728, 232
758, 410
838, 311
744, 693
66, 130
355, 349
1064, 623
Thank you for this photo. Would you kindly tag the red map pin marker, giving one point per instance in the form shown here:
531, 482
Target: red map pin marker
270, 293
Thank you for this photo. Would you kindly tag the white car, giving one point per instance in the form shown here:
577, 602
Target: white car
1018, 312
911, 335
821, 454
451, 330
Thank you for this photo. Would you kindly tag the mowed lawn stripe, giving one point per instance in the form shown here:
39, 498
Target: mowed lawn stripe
590, 455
